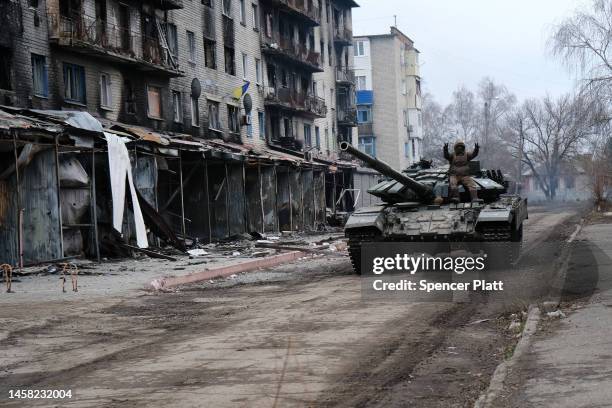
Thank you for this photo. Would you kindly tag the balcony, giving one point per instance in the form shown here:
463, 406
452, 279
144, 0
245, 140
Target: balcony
308, 14
288, 99
365, 129
287, 49
97, 38
343, 36
345, 77
346, 115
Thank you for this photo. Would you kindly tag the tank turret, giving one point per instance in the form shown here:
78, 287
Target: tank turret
423, 191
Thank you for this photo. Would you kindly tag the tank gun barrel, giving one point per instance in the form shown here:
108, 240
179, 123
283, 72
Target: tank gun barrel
382, 167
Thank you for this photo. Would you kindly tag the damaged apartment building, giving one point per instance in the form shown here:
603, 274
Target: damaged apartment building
230, 111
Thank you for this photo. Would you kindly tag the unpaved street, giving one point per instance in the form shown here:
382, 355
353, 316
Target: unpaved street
296, 335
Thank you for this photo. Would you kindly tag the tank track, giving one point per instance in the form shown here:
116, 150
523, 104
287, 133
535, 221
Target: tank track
497, 233
354, 249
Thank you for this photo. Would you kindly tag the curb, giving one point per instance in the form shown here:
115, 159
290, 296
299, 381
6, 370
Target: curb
223, 271
488, 397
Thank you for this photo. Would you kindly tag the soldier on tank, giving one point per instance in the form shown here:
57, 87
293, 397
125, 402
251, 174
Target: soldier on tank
459, 171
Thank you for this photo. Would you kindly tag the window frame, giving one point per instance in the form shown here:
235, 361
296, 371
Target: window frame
261, 122
364, 141
161, 109
245, 66
40, 61
106, 86
191, 45
71, 70
258, 71
243, 12
233, 118
211, 57
213, 116
194, 106
255, 17
308, 135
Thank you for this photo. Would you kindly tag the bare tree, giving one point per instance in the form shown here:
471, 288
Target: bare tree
583, 42
555, 131
462, 114
435, 127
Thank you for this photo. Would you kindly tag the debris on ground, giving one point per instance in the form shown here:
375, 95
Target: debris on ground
558, 314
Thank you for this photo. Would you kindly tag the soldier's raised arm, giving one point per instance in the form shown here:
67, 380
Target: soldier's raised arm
474, 152
447, 156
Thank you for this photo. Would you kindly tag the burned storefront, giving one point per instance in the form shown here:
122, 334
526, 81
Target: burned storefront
71, 185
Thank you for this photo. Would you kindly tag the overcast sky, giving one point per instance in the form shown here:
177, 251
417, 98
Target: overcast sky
462, 41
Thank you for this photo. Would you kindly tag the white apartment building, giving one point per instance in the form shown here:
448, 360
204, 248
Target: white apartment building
388, 97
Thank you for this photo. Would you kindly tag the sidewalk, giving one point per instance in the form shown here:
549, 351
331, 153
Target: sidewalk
569, 361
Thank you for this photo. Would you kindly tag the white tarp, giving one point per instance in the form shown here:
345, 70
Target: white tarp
120, 167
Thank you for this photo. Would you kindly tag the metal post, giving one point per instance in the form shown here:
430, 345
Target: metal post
334, 174
246, 202
227, 184
263, 212
314, 200
302, 198
94, 206
290, 200
59, 197
19, 210
208, 202
276, 197
182, 197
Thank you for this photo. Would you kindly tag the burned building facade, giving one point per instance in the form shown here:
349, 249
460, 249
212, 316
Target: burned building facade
181, 72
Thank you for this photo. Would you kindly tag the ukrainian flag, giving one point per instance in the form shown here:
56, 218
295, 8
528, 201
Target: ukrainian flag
240, 90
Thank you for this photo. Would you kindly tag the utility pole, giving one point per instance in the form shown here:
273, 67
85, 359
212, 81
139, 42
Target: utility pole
519, 175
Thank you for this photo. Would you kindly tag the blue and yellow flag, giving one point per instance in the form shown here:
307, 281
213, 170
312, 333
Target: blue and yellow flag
240, 90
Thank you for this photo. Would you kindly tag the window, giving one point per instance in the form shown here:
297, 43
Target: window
405, 115
364, 114
322, 45
361, 82
242, 12
130, 97
262, 125
192, 46
245, 66
327, 139
307, 135
40, 77
249, 127
6, 62
227, 7
329, 54
367, 145
230, 66
232, 119
404, 87
106, 98
210, 60
177, 107
414, 150
154, 102
359, 49
74, 83
195, 112
34, 3
317, 137
258, 74
213, 116
172, 39
255, 17
406, 149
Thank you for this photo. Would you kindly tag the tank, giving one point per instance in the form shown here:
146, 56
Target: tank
415, 208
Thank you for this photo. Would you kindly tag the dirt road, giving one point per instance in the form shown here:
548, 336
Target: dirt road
296, 335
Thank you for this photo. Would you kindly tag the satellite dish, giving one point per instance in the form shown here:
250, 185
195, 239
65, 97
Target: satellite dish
247, 102
196, 88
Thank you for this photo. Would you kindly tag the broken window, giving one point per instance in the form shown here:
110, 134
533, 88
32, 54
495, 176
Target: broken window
210, 54
233, 119
130, 98
230, 66
106, 100
227, 7
74, 83
262, 125
367, 145
213, 116
177, 107
40, 77
154, 109
6, 59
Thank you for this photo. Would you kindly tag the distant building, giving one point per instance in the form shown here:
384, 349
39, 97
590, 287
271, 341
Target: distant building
573, 185
388, 97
